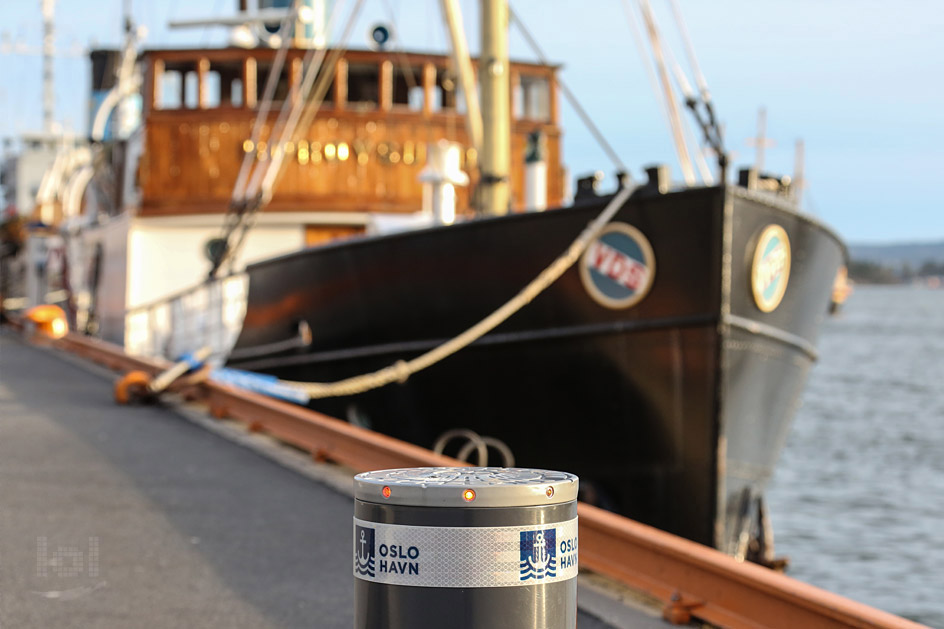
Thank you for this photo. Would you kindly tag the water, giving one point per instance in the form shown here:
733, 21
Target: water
857, 500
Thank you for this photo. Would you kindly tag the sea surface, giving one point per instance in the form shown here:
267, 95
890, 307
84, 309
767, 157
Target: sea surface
857, 499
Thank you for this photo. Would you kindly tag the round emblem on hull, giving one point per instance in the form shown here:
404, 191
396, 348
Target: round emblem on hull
770, 270
618, 268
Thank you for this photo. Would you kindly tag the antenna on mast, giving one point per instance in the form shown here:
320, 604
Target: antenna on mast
49, 52
799, 177
760, 142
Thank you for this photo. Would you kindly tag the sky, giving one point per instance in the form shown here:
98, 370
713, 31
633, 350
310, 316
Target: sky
859, 81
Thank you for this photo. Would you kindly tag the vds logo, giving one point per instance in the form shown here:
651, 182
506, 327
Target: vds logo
364, 551
618, 268
538, 550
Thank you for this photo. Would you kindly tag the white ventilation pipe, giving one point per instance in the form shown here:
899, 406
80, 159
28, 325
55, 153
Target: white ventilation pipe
440, 178
535, 173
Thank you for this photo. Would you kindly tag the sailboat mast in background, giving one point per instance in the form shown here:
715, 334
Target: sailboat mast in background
49, 52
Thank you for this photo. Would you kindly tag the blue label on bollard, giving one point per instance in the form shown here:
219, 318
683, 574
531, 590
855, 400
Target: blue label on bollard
364, 551
538, 551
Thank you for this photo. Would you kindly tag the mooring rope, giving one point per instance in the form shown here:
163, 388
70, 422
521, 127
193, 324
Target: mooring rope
401, 370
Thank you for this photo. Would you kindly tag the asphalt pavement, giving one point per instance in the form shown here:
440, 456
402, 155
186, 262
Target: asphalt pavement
139, 516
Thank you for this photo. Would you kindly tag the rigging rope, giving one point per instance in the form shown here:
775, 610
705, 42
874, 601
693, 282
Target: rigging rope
690, 98
310, 110
398, 49
258, 191
656, 43
238, 202
660, 97
581, 112
239, 188
690, 51
401, 370
641, 49
708, 122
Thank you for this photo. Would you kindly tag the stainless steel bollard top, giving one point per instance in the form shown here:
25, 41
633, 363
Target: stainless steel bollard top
465, 547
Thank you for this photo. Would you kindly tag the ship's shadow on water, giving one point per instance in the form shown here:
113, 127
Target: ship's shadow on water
858, 497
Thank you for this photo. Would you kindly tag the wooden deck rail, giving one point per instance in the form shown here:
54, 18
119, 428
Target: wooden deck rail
688, 577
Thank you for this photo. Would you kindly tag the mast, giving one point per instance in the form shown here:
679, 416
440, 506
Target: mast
496, 116
49, 51
460, 56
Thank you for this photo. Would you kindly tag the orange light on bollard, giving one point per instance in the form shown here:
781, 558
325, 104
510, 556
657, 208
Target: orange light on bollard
48, 320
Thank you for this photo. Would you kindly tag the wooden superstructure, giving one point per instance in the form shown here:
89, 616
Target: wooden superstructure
362, 152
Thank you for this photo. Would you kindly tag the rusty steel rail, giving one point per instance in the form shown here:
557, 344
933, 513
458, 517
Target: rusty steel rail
711, 585
690, 579
109, 354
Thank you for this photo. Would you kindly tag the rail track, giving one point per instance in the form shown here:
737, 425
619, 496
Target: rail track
692, 581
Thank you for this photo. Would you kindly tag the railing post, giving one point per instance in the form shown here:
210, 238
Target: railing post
176, 327
219, 346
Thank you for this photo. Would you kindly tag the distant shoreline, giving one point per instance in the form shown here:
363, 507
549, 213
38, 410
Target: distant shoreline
870, 272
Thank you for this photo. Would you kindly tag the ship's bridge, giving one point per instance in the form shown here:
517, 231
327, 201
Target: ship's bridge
363, 150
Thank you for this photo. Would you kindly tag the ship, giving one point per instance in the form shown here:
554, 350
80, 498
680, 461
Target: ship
662, 365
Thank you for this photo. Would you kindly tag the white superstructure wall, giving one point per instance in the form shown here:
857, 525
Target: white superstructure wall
164, 260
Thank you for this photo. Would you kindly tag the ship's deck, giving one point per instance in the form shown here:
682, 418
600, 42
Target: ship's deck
117, 517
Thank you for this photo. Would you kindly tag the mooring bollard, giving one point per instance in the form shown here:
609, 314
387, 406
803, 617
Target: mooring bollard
465, 548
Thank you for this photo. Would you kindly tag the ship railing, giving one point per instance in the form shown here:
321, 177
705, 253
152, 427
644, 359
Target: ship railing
207, 315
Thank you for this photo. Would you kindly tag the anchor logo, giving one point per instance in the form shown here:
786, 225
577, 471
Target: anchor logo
538, 551
364, 551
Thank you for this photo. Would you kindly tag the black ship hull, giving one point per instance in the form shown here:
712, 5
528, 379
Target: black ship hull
672, 411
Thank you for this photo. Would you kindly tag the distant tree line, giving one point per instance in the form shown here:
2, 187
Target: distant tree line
866, 272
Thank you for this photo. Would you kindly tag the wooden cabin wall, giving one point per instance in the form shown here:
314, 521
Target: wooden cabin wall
353, 157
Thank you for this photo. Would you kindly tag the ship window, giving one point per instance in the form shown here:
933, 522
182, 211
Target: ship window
212, 87
363, 85
171, 94
236, 92
534, 98
178, 85
191, 92
225, 84
447, 82
444, 96
408, 87
329, 92
262, 78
